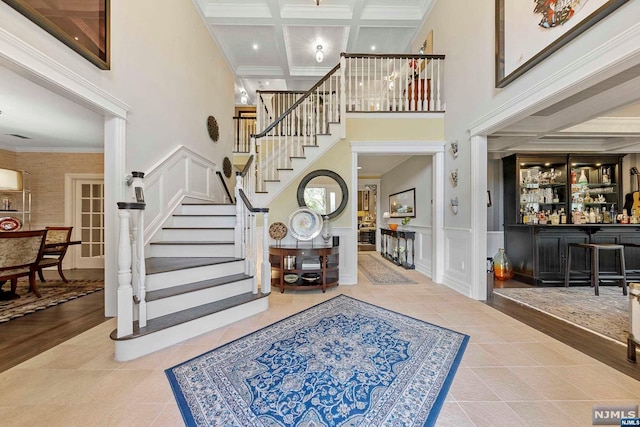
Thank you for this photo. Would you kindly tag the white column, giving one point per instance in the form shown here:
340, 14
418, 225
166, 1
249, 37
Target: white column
479, 218
115, 190
437, 215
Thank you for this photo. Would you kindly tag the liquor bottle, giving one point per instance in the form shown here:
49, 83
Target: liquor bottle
612, 214
605, 176
592, 217
573, 176
563, 216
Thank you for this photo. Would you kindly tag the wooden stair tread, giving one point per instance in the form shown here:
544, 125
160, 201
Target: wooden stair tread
197, 242
195, 286
164, 264
165, 322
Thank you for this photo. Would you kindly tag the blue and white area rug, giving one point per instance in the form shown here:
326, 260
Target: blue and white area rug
343, 362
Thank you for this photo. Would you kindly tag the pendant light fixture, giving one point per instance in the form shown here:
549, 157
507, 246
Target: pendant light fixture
319, 54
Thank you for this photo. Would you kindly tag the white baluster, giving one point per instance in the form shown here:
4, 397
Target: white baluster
239, 244
125, 291
343, 96
438, 104
142, 272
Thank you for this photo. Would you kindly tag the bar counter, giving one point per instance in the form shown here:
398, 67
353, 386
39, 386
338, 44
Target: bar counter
538, 252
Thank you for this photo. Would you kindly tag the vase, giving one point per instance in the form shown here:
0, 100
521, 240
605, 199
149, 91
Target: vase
326, 230
583, 178
502, 267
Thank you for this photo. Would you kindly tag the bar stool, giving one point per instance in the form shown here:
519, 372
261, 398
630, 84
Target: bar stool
595, 274
633, 270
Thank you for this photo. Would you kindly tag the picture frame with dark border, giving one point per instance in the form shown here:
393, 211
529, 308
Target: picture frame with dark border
94, 47
580, 25
403, 204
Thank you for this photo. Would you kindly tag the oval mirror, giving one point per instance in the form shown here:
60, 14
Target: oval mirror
324, 192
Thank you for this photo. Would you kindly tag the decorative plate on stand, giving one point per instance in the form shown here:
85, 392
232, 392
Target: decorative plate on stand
9, 223
305, 224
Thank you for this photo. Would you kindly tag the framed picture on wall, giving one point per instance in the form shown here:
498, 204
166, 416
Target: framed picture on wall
403, 204
81, 25
365, 200
527, 32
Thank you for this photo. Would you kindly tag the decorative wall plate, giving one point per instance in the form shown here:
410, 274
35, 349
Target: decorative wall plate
9, 223
305, 224
226, 167
278, 231
212, 128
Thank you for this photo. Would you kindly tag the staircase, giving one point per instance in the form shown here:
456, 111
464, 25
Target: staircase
194, 283
196, 269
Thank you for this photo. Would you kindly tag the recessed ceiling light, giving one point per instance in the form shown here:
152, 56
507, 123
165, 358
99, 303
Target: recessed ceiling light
359, 167
267, 83
255, 47
547, 164
76, 38
373, 47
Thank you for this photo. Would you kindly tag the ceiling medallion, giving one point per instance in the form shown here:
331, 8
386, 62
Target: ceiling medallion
226, 167
212, 128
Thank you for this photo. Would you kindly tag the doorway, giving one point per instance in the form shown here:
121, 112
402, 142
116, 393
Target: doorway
84, 210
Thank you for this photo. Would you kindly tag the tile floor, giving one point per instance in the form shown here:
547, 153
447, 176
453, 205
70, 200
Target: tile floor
510, 375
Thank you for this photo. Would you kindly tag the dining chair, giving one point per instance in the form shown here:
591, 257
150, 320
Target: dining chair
55, 249
20, 253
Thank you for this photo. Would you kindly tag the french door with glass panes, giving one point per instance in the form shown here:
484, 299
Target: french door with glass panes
89, 223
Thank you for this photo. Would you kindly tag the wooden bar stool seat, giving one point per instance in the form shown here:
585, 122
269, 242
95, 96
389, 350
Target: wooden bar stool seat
594, 274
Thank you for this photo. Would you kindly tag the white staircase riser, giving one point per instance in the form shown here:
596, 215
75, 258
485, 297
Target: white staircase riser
190, 275
197, 251
181, 302
195, 235
206, 209
202, 221
132, 349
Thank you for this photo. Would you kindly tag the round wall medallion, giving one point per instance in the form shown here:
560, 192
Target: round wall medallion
277, 231
226, 167
212, 128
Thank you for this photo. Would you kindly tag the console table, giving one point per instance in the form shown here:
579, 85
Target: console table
291, 260
391, 248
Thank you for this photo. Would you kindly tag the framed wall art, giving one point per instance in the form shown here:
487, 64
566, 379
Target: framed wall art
527, 32
81, 25
403, 204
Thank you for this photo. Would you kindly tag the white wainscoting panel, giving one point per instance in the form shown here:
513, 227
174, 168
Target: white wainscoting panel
182, 173
424, 250
457, 243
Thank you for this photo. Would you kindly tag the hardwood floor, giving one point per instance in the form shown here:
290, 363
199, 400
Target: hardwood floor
606, 351
30, 335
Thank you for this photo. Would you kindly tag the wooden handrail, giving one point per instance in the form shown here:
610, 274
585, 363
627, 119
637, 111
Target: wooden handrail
392, 56
248, 204
246, 168
298, 102
282, 91
224, 184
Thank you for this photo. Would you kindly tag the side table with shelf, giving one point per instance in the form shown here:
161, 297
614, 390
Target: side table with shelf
327, 258
20, 208
391, 249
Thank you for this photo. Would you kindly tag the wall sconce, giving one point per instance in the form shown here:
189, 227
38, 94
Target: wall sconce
319, 54
454, 205
454, 148
454, 177
243, 97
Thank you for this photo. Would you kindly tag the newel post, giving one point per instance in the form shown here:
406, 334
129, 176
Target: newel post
266, 264
125, 290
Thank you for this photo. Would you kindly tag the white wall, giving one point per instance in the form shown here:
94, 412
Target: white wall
464, 32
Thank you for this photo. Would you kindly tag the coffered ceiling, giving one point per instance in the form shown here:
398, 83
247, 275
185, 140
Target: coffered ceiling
271, 44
